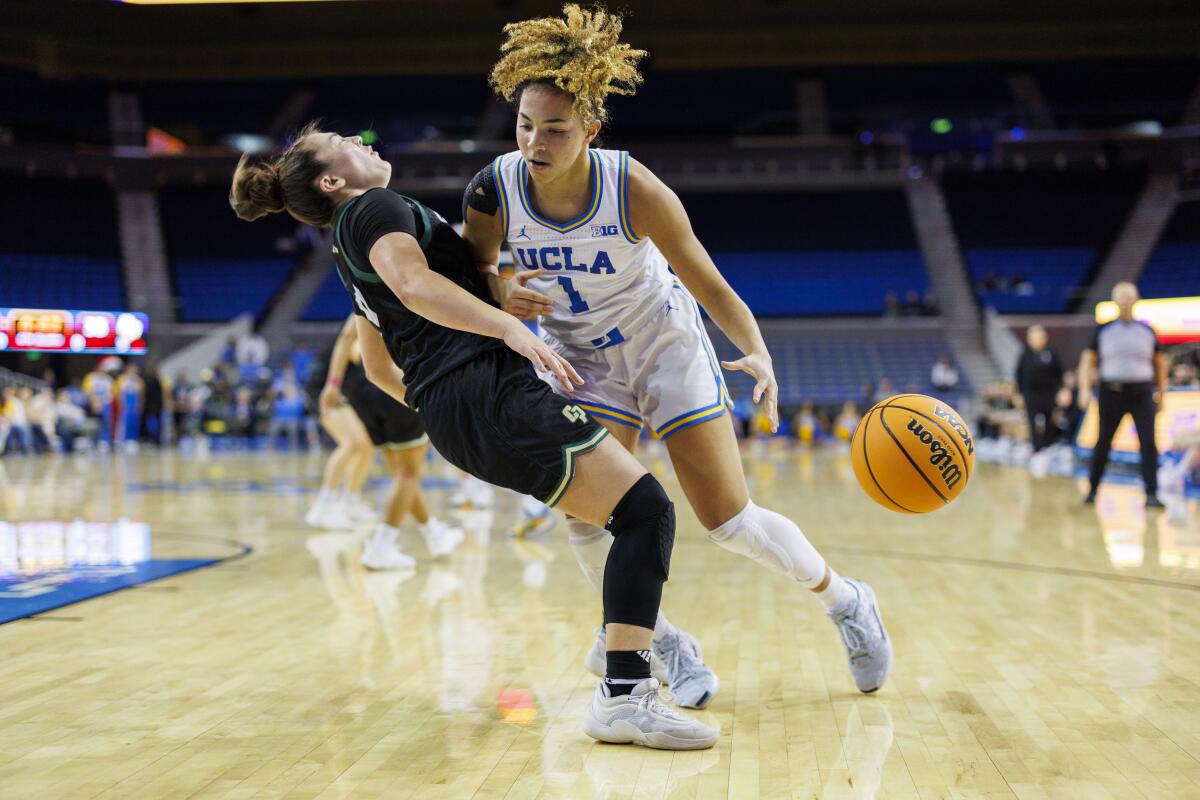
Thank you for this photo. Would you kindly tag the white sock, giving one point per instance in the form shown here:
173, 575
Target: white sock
352, 497
774, 541
590, 545
325, 496
837, 593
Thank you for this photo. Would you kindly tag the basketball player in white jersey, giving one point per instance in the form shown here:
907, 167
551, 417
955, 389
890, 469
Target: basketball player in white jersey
612, 268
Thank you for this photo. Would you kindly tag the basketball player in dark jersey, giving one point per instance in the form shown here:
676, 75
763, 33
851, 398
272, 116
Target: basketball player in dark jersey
433, 337
396, 431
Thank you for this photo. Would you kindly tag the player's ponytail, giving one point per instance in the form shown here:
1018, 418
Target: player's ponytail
256, 190
286, 183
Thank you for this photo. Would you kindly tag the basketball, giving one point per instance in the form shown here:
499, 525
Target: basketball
912, 453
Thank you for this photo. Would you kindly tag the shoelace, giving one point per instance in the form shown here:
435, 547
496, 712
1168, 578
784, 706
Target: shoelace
651, 702
855, 637
683, 664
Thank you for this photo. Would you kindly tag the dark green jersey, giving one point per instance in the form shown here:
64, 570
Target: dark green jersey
424, 350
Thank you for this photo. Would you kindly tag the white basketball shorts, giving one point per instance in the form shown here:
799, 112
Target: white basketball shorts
664, 375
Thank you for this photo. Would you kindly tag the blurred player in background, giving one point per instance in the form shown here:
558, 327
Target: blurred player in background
398, 433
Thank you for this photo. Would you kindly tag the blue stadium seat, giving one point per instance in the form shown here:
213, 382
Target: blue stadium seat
1174, 268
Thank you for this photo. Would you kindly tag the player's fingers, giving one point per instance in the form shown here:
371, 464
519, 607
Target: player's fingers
528, 275
738, 366
560, 372
529, 295
575, 376
759, 388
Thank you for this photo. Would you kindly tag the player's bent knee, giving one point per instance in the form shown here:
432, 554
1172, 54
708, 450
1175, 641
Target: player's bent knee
643, 528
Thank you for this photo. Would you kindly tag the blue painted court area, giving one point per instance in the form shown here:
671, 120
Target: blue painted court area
47, 564
26, 595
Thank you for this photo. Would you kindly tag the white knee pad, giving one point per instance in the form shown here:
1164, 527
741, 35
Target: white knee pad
590, 546
774, 541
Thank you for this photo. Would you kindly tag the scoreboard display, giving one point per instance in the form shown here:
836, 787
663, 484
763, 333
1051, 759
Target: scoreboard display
61, 331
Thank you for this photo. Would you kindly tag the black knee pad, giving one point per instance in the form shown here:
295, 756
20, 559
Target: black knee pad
643, 529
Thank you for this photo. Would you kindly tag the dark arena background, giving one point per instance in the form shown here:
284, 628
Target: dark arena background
904, 194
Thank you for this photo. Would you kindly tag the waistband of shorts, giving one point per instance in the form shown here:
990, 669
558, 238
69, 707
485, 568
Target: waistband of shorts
1122, 386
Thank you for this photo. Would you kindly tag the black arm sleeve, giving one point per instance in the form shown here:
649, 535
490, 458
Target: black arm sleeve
378, 213
481, 193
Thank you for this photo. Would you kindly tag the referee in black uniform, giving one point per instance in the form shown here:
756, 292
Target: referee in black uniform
1132, 380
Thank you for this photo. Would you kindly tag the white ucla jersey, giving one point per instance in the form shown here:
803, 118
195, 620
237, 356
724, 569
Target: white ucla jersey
604, 279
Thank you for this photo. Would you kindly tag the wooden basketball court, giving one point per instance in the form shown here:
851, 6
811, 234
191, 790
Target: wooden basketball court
1043, 649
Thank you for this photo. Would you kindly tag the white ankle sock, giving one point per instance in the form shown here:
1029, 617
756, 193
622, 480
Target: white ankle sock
325, 496
837, 593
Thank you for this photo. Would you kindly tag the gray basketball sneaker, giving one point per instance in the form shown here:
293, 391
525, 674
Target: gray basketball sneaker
868, 648
642, 718
692, 683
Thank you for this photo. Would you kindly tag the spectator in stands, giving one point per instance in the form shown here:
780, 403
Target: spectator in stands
1131, 369
1039, 376
130, 390
891, 304
943, 376
301, 359
229, 352
98, 385
866, 398
14, 421
43, 418
930, 303
1065, 417
846, 422
288, 408
1185, 376
245, 413
72, 425
805, 425
181, 390
884, 390
252, 349
912, 304
157, 398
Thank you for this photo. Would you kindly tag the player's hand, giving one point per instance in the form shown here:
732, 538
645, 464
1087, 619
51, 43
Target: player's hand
1158, 402
330, 398
759, 367
523, 341
523, 302
1084, 401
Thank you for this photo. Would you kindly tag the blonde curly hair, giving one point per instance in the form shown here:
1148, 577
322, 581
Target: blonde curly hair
581, 54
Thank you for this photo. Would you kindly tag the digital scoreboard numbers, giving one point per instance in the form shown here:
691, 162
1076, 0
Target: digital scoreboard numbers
47, 330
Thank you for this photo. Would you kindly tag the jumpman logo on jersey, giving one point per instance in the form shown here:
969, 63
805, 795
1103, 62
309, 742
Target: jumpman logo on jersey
670, 307
523, 233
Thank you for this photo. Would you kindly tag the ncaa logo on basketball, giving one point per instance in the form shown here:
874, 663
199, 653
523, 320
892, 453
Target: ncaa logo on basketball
955, 423
603, 230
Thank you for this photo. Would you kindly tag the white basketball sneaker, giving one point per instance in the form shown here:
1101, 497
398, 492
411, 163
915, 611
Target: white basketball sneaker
640, 717
440, 538
596, 660
383, 552
868, 648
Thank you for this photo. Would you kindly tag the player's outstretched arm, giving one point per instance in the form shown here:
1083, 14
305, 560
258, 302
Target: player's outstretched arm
377, 361
398, 260
657, 212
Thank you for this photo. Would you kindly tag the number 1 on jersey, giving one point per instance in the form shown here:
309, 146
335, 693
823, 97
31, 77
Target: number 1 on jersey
578, 306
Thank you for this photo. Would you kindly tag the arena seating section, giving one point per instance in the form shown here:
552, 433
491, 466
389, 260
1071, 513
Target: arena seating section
222, 266
829, 367
1050, 227
62, 250
1174, 267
